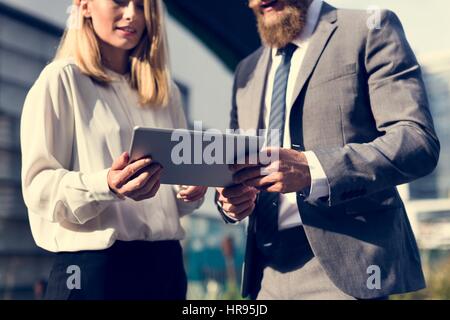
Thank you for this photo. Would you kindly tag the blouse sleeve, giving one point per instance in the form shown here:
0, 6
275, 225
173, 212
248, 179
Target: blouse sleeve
49, 187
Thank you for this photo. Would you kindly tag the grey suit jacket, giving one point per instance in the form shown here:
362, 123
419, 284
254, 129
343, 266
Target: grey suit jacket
364, 112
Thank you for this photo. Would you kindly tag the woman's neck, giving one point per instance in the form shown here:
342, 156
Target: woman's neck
115, 59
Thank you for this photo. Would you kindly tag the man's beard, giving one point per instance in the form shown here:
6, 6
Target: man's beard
286, 28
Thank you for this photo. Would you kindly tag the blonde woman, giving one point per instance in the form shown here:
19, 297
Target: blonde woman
116, 236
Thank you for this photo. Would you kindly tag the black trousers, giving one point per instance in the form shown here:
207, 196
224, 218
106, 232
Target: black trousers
135, 270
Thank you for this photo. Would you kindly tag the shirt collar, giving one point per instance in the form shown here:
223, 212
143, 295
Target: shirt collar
312, 18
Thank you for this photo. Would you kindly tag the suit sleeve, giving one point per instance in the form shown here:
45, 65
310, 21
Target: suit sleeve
407, 147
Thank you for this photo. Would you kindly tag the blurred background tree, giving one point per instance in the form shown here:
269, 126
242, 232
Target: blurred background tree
231, 291
438, 284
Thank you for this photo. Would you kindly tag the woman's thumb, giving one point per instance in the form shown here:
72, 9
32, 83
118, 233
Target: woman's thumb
121, 162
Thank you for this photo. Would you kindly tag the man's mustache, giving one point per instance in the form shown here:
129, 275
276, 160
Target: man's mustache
254, 4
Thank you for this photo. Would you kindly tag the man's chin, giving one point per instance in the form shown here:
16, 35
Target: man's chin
271, 19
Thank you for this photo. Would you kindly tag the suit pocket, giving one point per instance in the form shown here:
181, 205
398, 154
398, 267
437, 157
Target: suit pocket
335, 74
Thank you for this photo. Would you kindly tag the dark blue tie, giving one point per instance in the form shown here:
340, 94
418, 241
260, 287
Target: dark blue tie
267, 207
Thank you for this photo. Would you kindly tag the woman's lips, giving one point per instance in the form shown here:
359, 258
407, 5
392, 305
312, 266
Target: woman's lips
127, 31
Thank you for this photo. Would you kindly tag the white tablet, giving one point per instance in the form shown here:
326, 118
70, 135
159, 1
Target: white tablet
194, 158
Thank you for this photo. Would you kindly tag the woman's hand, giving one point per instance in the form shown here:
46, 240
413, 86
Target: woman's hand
191, 193
143, 186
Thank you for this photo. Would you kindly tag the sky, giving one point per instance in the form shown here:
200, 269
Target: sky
426, 23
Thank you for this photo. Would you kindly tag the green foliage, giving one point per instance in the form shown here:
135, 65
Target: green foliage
438, 284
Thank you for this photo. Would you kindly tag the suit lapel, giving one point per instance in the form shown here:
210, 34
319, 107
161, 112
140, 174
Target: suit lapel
252, 96
317, 44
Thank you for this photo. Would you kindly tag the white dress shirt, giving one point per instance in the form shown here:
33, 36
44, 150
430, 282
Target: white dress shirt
72, 129
288, 214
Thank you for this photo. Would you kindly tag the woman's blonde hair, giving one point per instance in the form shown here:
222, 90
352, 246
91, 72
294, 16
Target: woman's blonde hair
148, 61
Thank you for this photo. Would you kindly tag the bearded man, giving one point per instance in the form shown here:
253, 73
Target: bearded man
346, 100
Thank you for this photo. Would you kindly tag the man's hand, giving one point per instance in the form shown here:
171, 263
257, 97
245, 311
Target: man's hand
122, 179
238, 202
289, 173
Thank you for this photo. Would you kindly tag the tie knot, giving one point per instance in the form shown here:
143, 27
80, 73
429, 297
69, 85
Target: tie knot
287, 51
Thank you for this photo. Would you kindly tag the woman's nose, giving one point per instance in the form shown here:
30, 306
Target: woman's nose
130, 11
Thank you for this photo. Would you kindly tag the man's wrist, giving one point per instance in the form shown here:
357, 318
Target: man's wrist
224, 214
319, 186
306, 172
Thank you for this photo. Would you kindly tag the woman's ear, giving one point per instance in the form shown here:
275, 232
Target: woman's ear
85, 8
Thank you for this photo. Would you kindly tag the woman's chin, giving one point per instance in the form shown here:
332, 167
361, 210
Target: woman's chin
127, 46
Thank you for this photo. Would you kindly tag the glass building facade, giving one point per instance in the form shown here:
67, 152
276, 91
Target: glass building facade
26, 46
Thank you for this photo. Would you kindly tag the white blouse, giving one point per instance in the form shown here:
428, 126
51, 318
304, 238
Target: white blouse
72, 129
